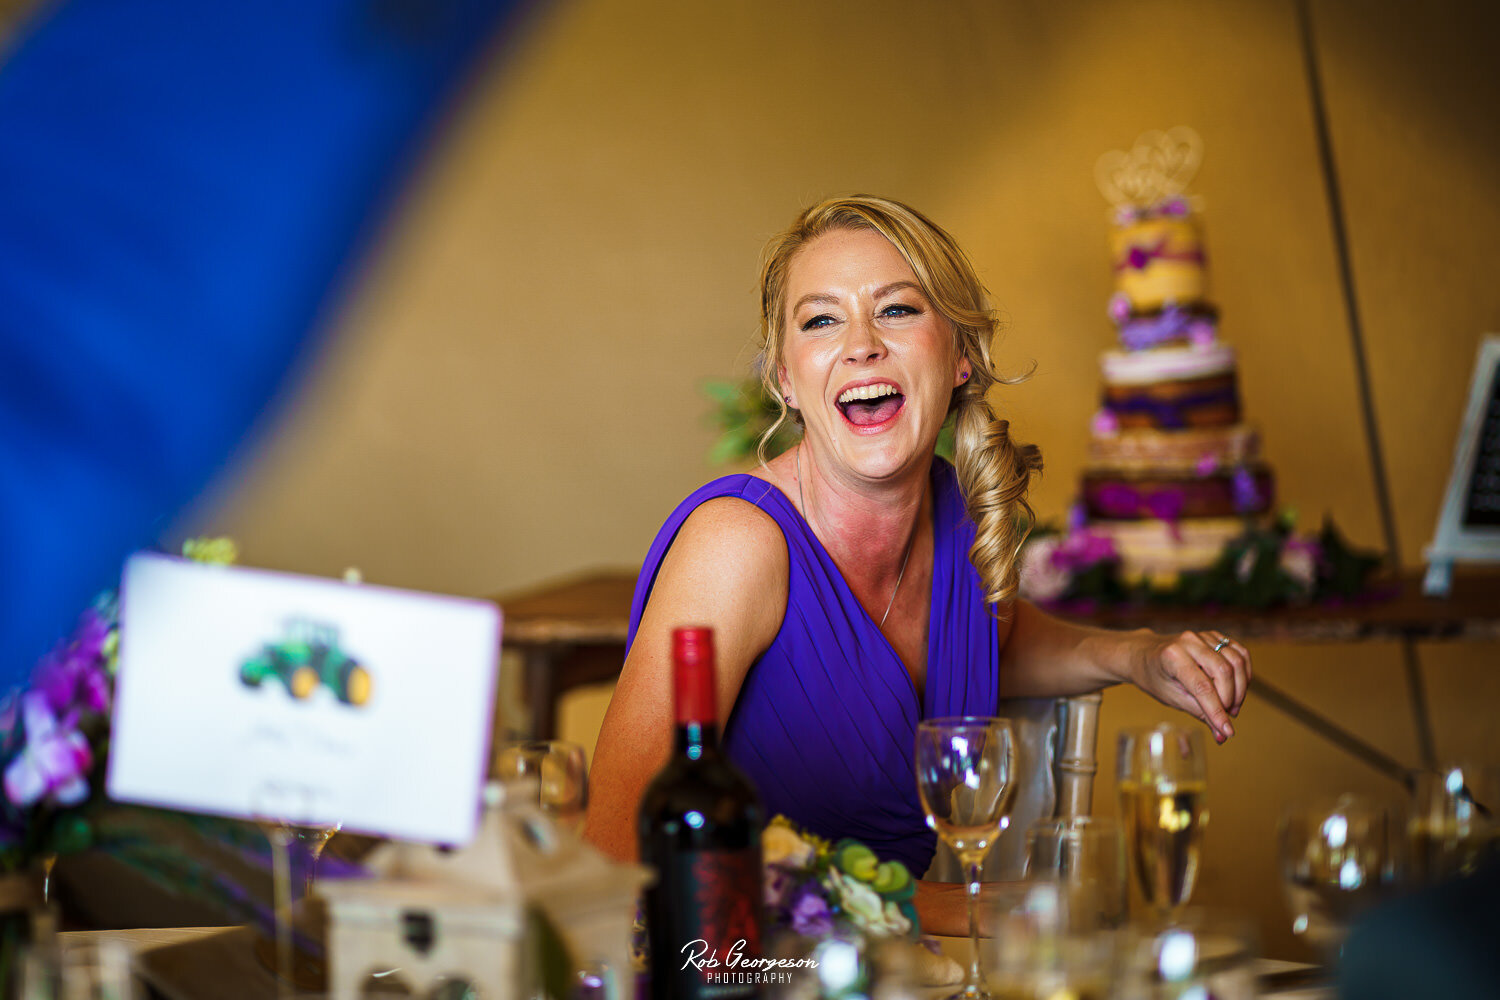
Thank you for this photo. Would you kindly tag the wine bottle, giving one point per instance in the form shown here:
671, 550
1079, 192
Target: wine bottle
700, 826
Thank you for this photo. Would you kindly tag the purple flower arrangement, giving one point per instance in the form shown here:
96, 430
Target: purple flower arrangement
53, 735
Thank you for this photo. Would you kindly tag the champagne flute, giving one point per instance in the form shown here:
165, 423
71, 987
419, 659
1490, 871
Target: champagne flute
1163, 785
965, 767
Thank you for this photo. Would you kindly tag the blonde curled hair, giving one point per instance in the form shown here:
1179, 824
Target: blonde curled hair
994, 473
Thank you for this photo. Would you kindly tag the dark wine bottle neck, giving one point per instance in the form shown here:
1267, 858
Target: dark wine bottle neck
695, 739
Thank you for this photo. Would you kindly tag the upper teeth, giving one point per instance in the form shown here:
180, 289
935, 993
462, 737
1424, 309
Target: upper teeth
868, 392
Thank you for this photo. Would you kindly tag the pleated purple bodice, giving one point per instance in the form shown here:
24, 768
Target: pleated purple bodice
825, 723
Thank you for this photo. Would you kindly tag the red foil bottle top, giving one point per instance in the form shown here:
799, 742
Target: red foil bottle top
693, 675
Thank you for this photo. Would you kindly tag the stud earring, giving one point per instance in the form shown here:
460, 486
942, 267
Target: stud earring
965, 376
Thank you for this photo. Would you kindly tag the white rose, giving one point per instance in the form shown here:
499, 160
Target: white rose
862, 903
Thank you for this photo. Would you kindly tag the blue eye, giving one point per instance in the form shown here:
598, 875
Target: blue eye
817, 321
898, 310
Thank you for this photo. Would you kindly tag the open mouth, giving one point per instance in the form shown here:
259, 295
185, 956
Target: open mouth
869, 405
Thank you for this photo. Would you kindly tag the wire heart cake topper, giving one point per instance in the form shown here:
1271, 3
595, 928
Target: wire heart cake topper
1159, 166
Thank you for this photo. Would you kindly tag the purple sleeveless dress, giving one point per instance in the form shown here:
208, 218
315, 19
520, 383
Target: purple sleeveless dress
825, 724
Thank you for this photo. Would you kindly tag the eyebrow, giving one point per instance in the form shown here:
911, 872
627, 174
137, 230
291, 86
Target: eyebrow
880, 293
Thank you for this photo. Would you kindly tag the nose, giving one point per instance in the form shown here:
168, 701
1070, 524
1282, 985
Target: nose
862, 343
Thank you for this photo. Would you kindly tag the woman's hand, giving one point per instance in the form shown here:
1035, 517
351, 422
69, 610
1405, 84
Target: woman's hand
1205, 674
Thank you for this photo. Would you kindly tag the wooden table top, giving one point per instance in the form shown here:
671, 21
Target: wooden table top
594, 609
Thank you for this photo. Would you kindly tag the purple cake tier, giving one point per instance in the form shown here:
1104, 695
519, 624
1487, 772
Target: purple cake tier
1245, 490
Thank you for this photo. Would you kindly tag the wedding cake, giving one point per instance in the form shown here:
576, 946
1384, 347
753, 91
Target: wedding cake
1173, 470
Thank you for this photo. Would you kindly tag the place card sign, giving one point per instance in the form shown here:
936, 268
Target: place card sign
1469, 526
269, 696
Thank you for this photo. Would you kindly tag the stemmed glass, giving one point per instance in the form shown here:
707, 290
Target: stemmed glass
558, 771
1163, 784
1085, 856
1453, 824
1338, 859
964, 777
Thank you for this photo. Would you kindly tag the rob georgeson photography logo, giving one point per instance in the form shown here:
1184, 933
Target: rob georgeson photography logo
735, 967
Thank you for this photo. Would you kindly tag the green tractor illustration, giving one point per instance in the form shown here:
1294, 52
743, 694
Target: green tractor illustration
306, 656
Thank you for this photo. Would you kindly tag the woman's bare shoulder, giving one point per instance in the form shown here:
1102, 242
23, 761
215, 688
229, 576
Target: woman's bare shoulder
727, 540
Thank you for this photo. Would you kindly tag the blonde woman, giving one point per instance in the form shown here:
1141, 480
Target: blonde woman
856, 583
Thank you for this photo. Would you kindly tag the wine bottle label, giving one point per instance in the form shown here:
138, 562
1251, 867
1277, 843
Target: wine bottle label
708, 939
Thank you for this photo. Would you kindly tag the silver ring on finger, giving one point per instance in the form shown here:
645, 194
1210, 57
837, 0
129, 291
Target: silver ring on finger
1223, 641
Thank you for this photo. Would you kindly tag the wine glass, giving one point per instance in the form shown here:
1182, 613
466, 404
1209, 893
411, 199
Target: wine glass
1163, 787
559, 773
964, 777
1035, 951
1453, 824
1085, 856
1338, 858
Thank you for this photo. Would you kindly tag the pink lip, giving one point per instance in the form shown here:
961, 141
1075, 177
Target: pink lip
869, 428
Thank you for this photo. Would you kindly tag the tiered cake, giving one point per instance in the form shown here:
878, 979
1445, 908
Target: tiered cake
1173, 471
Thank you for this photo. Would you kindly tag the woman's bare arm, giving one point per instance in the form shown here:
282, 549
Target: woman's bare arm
1042, 656
727, 569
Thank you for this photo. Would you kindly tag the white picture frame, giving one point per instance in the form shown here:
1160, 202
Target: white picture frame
1461, 536
210, 716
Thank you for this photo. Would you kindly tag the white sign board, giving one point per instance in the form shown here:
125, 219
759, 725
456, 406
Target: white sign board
268, 696
1469, 526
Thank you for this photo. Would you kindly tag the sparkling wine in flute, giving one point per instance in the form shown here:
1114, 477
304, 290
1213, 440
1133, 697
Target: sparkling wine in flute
1164, 823
1162, 780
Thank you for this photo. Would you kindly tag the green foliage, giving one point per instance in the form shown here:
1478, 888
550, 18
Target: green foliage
1258, 569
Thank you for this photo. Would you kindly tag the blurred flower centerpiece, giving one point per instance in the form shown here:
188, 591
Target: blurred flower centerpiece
844, 905
54, 735
814, 887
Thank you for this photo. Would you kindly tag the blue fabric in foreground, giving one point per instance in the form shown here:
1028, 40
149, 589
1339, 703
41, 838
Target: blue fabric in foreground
825, 724
182, 185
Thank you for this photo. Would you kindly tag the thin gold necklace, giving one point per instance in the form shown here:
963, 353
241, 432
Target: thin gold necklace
802, 502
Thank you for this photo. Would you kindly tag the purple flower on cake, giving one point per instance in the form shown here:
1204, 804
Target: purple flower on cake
55, 760
1201, 333
1082, 549
1172, 208
1078, 517
1105, 424
1138, 258
1247, 496
1166, 505
1207, 465
1117, 500
1119, 307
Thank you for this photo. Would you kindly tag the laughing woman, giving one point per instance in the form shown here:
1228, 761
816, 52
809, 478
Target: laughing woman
857, 583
